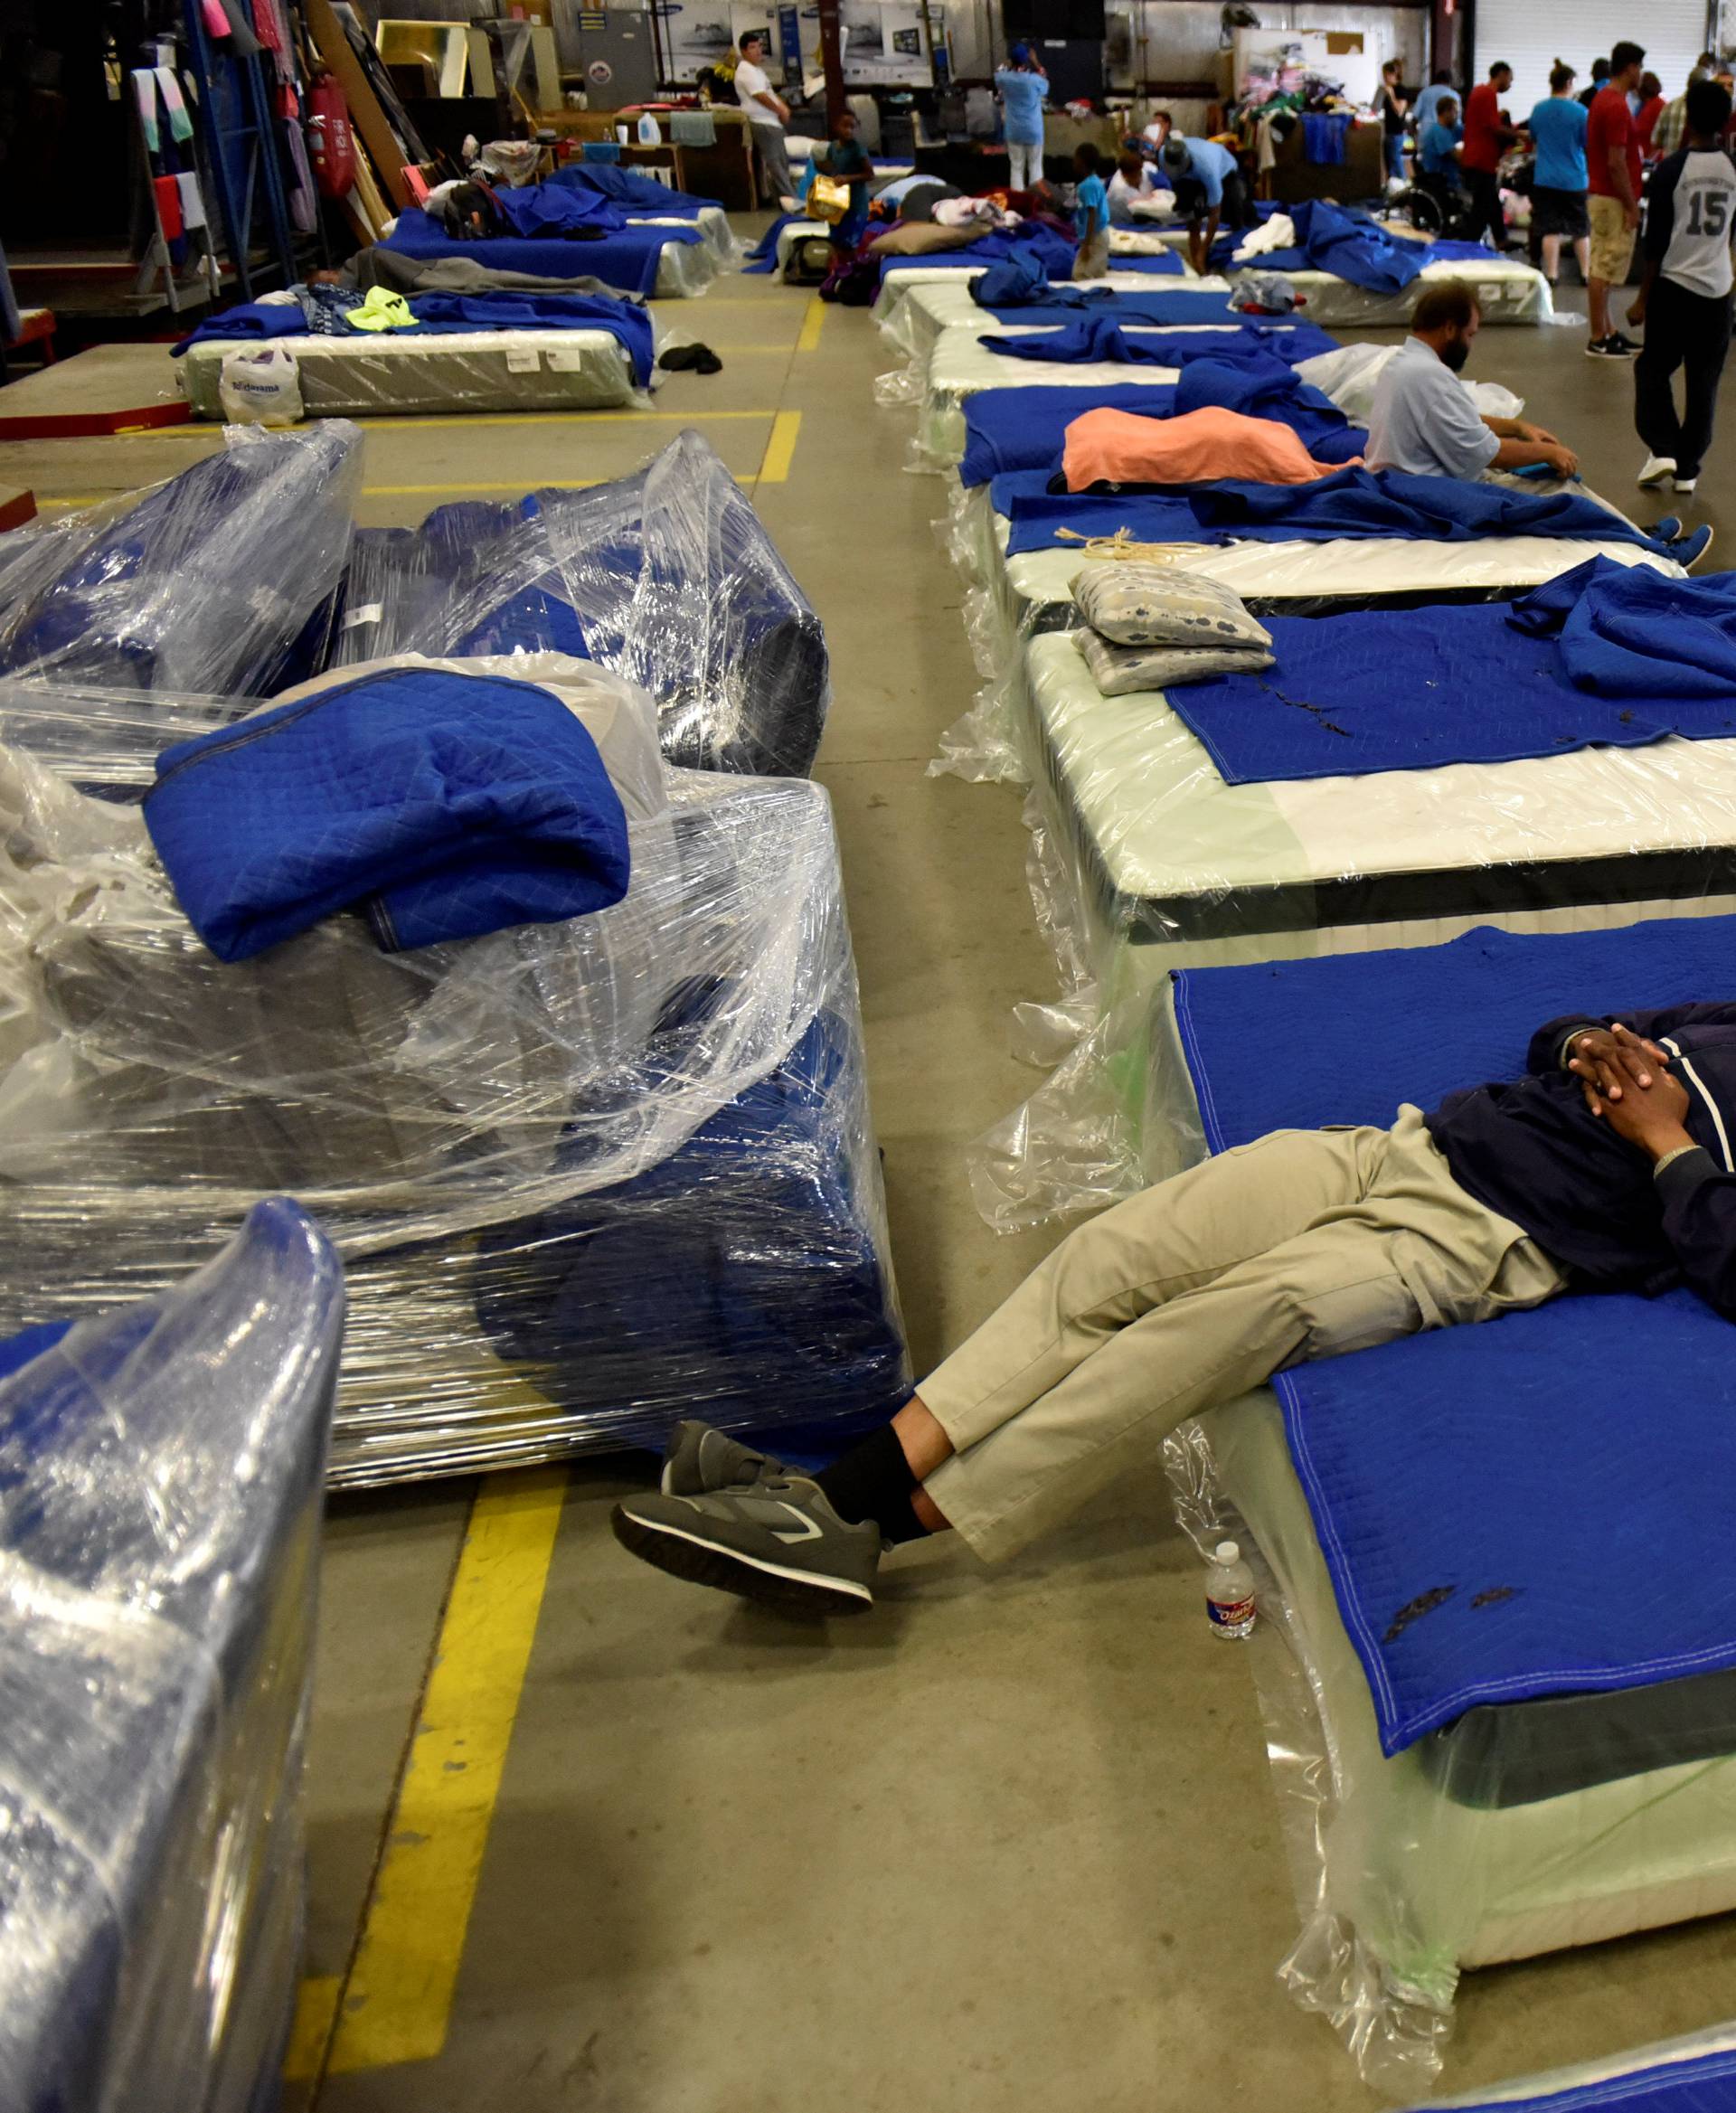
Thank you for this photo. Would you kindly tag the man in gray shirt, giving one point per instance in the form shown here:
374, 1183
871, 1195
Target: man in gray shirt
1423, 420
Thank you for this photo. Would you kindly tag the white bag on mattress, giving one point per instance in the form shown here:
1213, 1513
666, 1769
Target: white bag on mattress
260, 387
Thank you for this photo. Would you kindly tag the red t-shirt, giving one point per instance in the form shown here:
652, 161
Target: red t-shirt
1482, 142
1611, 125
1645, 124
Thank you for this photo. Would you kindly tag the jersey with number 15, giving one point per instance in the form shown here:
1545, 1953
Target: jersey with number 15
1690, 218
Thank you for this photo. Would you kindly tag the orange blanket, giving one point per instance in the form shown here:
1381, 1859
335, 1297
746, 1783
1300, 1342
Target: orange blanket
1122, 447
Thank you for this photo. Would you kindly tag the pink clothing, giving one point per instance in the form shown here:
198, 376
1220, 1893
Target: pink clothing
1121, 447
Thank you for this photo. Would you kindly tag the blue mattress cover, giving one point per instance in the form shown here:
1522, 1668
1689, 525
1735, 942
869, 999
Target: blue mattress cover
627, 258
1492, 1501
1480, 682
1702, 2084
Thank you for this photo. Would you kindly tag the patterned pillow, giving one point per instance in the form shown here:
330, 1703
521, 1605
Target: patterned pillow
1118, 670
1133, 604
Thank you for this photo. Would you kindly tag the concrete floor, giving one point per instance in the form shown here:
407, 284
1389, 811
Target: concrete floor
1007, 1842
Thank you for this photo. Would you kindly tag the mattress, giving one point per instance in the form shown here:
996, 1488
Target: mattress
1507, 291
960, 363
914, 307
714, 223
1179, 867
474, 371
1429, 1886
1032, 589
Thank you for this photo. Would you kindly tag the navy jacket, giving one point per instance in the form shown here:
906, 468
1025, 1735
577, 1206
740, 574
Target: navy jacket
1533, 1150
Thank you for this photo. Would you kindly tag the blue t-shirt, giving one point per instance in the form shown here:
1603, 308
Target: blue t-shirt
1211, 163
1090, 209
1438, 142
1422, 111
1022, 95
1558, 127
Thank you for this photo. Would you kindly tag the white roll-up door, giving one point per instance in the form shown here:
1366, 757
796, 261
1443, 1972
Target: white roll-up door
1531, 34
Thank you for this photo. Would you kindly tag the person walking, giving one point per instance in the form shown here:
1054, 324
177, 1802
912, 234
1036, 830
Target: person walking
768, 114
1391, 106
1612, 165
1023, 87
1559, 181
1684, 296
1487, 136
1091, 214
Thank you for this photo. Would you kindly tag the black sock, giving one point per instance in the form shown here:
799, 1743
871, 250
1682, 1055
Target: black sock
873, 1481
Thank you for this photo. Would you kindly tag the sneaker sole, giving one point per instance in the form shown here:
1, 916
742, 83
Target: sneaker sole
703, 1563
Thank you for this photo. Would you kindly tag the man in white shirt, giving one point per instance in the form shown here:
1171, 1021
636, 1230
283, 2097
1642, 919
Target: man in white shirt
768, 114
1423, 421
1684, 296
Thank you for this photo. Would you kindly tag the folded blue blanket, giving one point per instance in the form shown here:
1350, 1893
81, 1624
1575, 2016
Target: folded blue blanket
631, 189
1605, 656
251, 319
1492, 1501
1349, 503
445, 806
1025, 428
628, 257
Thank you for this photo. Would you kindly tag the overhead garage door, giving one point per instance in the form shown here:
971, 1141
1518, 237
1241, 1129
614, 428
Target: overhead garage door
1531, 34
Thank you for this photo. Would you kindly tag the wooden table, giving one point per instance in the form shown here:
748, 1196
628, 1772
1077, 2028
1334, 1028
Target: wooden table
723, 171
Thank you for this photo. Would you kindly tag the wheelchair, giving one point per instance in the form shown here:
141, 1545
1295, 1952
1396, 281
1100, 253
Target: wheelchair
1433, 206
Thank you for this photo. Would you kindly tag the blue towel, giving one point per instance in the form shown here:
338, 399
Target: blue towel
631, 189
627, 259
1025, 428
1349, 503
1323, 138
1474, 682
1542, 1504
447, 805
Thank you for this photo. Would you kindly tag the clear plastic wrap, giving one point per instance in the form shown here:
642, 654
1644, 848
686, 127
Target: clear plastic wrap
674, 584
1520, 1830
1148, 860
585, 1177
1508, 290
161, 1471
388, 376
223, 578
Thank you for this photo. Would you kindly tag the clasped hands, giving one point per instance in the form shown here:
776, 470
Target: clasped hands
1627, 1083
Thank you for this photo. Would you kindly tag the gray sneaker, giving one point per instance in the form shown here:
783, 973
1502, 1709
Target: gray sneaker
698, 1459
777, 1539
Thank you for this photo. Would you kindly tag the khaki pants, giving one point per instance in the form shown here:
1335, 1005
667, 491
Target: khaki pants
1092, 261
1307, 1244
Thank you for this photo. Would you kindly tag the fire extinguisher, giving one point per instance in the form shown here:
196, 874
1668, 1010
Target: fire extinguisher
330, 141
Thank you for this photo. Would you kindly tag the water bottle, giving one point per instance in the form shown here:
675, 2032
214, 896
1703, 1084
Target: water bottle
1230, 1592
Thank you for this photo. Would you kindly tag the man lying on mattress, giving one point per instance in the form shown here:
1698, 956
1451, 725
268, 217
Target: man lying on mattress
1607, 1168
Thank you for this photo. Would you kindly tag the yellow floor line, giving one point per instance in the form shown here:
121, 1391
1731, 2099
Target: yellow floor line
809, 341
398, 2000
204, 428
780, 447
316, 2012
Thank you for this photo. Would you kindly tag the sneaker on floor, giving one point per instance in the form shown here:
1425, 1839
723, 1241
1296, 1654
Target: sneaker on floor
1630, 345
1684, 484
1657, 469
1609, 348
699, 1459
778, 1541
1688, 550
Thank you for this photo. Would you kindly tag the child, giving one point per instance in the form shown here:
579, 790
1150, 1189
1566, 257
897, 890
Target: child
846, 160
1091, 214
1684, 294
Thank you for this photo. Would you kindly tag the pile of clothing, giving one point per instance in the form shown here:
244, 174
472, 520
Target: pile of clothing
1150, 626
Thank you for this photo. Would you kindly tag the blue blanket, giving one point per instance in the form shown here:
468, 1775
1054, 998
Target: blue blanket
445, 806
1323, 138
1025, 428
1351, 503
1603, 656
1644, 2083
1492, 1501
1053, 253
556, 209
1091, 340
1352, 247
1172, 307
632, 190
627, 259
763, 256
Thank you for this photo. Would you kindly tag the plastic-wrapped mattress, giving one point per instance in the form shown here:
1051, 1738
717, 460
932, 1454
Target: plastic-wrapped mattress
911, 316
666, 576
222, 578
388, 376
1508, 290
960, 363
161, 1471
586, 1177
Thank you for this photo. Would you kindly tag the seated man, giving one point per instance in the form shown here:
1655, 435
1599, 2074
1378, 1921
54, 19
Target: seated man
1423, 421
1607, 1168
1133, 193
1208, 187
1440, 141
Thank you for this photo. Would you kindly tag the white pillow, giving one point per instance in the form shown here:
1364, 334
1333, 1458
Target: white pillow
1118, 670
1135, 604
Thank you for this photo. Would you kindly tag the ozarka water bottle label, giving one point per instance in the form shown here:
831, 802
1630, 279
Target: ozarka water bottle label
1229, 1613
